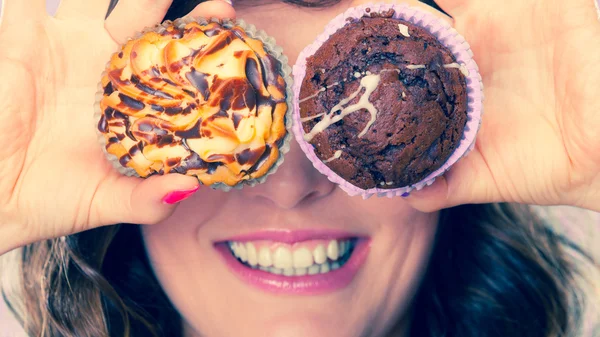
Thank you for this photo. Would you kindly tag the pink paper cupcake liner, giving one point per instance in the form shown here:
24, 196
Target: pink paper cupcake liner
450, 38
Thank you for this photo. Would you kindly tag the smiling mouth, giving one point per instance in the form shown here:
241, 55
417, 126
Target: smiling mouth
310, 257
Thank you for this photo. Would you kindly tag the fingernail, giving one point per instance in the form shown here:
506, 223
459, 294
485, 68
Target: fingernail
230, 2
178, 196
405, 194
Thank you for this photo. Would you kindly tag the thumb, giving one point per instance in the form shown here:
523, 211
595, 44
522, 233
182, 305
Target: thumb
469, 181
452, 7
140, 201
222, 9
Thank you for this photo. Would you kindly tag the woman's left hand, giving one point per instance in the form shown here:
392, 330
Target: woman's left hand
540, 138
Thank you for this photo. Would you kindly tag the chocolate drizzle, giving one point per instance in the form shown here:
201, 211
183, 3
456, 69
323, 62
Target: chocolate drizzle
132, 103
198, 80
103, 124
249, 155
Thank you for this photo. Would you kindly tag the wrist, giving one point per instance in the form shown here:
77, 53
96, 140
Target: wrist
10, 237
589, 197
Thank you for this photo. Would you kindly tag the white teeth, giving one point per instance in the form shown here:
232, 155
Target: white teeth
251, 251
302, 261
320, 254
302, 258
241, 252
276, 271
264, 257
282, 258
333, 250
301, 271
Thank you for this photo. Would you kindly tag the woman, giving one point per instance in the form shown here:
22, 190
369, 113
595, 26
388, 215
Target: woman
476, 270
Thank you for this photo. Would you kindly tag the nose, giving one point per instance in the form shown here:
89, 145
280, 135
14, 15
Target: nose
295, 183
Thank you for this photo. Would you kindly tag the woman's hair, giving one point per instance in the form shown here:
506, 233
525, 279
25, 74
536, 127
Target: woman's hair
496, 270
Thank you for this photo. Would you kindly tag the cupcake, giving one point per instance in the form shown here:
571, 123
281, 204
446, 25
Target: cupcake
383, 104
206, 99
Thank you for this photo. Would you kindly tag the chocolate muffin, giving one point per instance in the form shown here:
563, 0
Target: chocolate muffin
383, 102
206, 100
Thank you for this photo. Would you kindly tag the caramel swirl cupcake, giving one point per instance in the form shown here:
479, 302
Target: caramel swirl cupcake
206, 99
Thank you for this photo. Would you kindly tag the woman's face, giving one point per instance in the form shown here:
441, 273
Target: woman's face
296, 217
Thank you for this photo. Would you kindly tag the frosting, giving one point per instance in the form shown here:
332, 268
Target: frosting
461, 67
202, 100
335, 156
369, 83
338, 112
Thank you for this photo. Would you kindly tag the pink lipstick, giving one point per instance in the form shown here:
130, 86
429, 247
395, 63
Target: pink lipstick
306, 262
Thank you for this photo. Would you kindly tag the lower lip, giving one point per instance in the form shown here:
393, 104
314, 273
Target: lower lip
299, 285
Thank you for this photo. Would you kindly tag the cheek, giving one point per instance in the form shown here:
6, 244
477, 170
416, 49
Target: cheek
185, 268
400, 254
183, 263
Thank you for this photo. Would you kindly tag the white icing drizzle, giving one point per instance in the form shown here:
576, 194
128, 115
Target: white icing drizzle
310, 118
462, 67
320, 91
403, 30
415, 66
335, 156
369, 83
313, 95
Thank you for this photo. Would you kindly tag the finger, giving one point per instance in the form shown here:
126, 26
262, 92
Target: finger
428, 8
19, 10
132, 16
141, 201
119, 24
452, 7
90, 9
214, 9
469, 181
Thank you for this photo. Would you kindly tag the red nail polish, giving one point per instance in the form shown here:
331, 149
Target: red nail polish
178, 196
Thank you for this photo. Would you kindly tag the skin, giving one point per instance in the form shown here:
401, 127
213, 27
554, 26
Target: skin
538, 144
209, 296
296, 197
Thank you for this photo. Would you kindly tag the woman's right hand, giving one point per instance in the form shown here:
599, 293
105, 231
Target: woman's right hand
55, 180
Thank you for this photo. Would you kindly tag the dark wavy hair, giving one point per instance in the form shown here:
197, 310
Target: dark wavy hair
496, 270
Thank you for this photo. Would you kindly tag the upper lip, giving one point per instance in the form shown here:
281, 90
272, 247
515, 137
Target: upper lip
291, 236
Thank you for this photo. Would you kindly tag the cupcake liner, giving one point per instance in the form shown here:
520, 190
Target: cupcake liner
270, 47
450, 38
